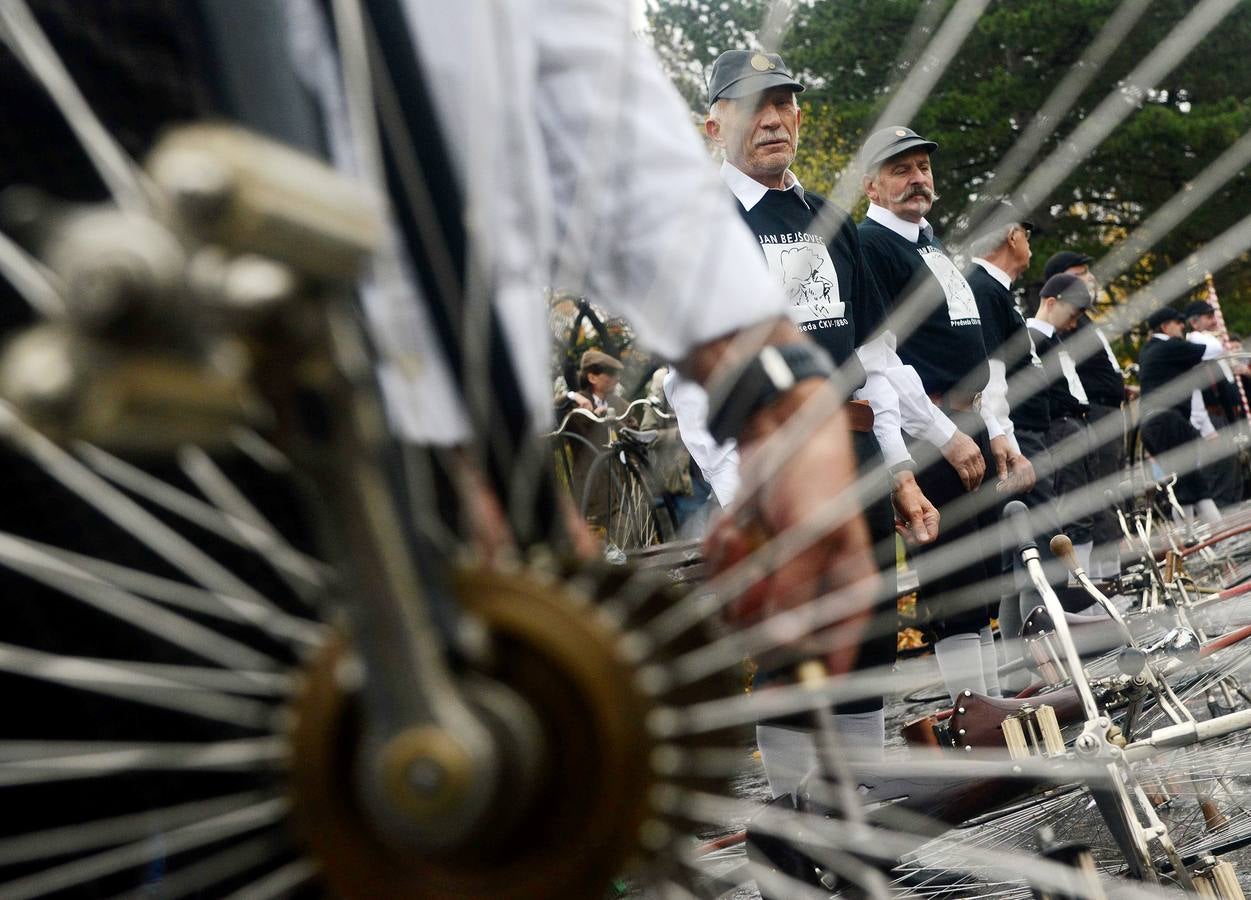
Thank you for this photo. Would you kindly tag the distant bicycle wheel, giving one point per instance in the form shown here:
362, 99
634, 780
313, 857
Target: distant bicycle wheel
619, 500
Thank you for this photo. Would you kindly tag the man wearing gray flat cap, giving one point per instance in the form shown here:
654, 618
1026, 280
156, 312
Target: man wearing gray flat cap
755, 120
943, 343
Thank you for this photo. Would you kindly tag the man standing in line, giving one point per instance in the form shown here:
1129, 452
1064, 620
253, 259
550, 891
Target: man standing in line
1170, 374
1219, 399
1100, 375
945, 348
755, 119
1016, 393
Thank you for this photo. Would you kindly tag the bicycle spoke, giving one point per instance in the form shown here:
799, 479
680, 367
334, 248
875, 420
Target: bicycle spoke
114, 505
302, 573
174, 593
188, 837
84, 761
196, 877
116, 830
171, 627
100, 677
233, 518
280, 882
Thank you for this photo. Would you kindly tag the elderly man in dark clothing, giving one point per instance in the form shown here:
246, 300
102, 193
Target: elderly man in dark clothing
1017, 392
947, 351
1170, 369
1101, 377
754, 118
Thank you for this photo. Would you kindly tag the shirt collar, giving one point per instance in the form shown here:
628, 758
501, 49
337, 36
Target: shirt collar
995, 272
902, 227
749, 191
1160, 335
1039, 325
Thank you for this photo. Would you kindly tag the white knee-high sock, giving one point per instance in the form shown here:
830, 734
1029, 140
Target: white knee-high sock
960, 661
990, 661
862, 735
790, 754
1209, 512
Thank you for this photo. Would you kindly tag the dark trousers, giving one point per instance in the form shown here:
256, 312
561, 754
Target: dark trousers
1168, 430
959, 601
880, 641
1106, 458
1220, 460
1044, 515
1069, 446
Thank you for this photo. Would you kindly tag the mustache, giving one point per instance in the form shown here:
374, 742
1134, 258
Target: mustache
916, 190
773, 136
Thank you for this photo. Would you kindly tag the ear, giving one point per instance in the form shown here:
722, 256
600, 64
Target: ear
869, 184
712, 128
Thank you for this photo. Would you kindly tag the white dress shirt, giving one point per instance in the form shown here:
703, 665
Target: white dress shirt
995, 395
1213, 349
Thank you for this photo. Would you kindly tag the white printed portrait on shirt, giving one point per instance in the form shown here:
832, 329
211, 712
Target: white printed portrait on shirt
807, 276
961, 306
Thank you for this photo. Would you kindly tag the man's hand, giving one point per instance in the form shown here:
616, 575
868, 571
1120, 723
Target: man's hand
966, 458
1016, 473
581, 401
816, 472
916, 519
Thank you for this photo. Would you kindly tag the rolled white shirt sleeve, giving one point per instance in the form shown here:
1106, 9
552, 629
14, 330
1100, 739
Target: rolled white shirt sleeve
995, 401
918, 414
1199, 417
717, 461
881, 397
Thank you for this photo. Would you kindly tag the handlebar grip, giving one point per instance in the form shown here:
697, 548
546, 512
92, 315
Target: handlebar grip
1062, 549
1017, 513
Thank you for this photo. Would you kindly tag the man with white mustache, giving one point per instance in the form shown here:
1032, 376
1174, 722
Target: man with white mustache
943, 343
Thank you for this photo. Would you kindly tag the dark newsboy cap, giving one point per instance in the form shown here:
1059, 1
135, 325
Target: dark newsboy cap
740, 73
1162, 315
888, 142
1069, 288
1199, 308
1065, 259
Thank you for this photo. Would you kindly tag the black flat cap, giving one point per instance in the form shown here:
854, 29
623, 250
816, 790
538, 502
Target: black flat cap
1199, 308
1162, 315
740, 73
888, 142
1065, 259
1069, 288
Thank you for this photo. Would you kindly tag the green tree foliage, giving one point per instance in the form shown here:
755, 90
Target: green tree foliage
851, 54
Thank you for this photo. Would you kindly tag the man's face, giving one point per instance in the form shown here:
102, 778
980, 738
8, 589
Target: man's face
604, 382
759, 133
1018, 242
1173, 328
1065, 316
1205, 322
904, 184
1083, 272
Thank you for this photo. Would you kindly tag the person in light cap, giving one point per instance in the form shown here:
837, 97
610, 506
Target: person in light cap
1170, 370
